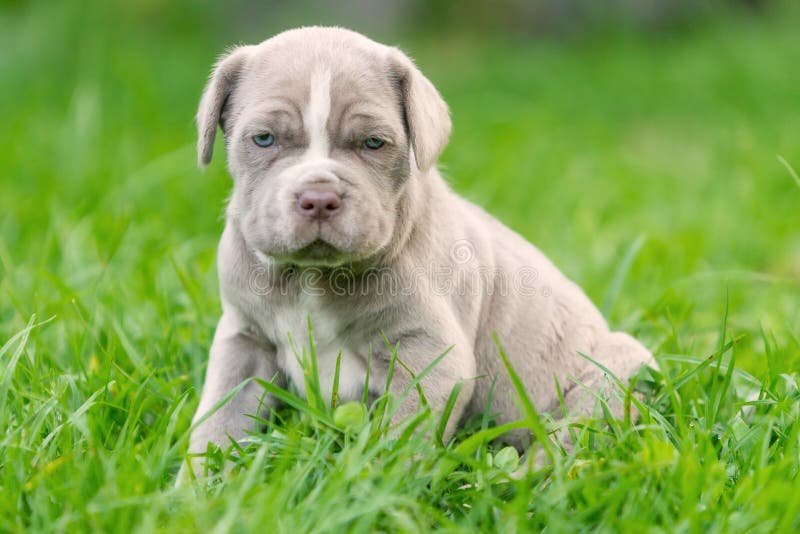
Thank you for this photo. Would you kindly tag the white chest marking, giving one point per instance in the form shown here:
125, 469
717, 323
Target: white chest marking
315, 117
293, 320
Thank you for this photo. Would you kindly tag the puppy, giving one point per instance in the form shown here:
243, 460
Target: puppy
339, 215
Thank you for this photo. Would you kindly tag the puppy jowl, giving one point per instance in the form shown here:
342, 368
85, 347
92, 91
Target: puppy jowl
339, 215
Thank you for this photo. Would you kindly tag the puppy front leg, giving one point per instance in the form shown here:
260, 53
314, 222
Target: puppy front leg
416, 353
235, 357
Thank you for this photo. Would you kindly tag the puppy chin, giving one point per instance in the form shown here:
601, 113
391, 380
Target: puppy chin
311, 253
318, 253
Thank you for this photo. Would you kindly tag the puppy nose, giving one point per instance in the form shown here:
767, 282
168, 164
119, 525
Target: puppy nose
319, 204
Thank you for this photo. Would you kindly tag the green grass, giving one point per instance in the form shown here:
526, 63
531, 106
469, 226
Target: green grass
656, 172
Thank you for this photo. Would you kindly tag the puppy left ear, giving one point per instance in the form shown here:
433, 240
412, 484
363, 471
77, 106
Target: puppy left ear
426, 114
218, 89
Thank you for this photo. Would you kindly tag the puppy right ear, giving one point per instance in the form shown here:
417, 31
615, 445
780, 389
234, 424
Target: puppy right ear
219, 87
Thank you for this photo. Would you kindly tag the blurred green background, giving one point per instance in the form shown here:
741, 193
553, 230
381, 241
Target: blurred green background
583, 128
637, 143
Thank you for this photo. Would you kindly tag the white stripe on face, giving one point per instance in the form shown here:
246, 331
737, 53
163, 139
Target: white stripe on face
316, 114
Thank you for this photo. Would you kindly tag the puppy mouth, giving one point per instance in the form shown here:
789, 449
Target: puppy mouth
318, 244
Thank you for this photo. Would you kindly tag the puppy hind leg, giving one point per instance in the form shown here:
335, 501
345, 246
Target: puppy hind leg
623, 356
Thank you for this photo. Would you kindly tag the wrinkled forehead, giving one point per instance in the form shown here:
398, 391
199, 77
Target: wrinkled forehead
352, 75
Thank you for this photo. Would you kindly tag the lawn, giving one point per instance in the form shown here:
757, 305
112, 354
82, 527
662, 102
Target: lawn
655, 170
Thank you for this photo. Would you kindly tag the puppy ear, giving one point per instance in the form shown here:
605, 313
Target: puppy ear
218, 89
426, 114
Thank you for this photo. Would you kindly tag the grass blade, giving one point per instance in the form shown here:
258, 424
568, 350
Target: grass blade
530, 412
620, 274
791, 170
448, 410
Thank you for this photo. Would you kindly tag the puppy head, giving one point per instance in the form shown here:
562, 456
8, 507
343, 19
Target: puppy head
323, 129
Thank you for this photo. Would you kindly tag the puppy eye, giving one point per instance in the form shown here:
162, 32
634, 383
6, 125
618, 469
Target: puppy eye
373, 143
264, 140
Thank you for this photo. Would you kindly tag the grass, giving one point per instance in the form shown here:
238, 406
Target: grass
659, 173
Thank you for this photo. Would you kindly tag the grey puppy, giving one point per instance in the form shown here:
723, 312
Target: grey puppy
338, 214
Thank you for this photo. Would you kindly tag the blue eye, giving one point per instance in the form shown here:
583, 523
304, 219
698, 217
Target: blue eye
264, 140
373, 143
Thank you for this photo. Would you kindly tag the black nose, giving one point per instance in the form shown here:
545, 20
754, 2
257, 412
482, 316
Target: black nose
319, 204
